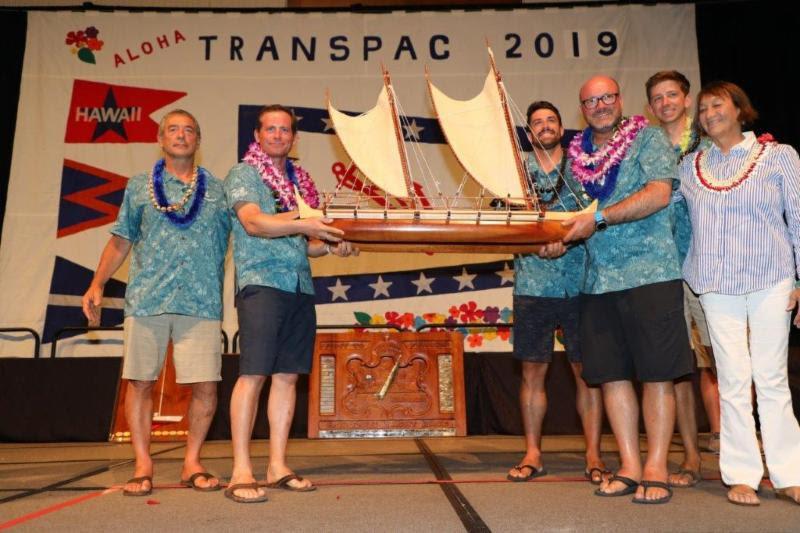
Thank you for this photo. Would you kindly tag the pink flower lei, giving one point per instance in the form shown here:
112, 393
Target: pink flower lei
282, 183
593, 167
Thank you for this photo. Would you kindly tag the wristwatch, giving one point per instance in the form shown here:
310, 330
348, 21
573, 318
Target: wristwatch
599, 221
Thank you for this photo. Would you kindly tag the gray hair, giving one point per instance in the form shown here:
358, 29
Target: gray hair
183, 112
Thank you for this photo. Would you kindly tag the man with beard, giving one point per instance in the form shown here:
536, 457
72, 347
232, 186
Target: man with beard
545, 297
275, 294
174, 219
632, 323
668, 99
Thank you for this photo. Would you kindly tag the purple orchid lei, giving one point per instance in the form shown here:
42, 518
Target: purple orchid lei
592, 167
282, 185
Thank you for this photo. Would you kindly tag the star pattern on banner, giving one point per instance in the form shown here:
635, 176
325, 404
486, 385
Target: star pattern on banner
109, 124
423, 284
412, 130
338, 290
381, 287
328, 124
506, 275
465, 279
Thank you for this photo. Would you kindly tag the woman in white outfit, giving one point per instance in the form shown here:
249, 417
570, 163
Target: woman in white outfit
743, 195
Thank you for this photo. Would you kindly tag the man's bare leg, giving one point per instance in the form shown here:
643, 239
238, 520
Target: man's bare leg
687, 426
622, 409
533, 406
201, 411
589, 403
709, 390
280, 412
658, 407
139, 414
244, 406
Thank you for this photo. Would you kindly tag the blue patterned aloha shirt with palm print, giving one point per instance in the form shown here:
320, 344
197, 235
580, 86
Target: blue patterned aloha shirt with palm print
281, 262
174, 270
561, 277
641, 252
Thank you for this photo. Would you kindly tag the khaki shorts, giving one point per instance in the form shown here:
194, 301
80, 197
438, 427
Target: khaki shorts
697, 327
196, 347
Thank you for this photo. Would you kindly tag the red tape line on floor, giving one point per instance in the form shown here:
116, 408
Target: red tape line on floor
51, 509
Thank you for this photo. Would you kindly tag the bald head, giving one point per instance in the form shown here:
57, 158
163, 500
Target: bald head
601, 103
595, 84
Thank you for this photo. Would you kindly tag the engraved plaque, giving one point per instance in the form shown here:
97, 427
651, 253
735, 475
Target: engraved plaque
367, 384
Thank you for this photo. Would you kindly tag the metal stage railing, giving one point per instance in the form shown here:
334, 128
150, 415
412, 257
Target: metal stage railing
37, 341
85, 329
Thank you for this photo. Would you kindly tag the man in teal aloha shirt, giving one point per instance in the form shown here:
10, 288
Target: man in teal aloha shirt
546, 297
174, 219
275, 295
669, 101
632, 323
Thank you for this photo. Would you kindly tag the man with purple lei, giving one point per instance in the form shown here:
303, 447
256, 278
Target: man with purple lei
275, 294
632, 323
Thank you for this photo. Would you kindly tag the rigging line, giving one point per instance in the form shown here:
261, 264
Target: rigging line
427, 178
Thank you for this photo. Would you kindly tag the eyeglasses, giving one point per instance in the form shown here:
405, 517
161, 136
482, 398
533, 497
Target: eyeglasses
608, 99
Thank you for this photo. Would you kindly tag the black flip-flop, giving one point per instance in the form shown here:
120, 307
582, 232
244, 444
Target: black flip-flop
534, 473
205, 475
283, 483
229, 493
657, 484
589, 474
694, 476
140, 480
630, 487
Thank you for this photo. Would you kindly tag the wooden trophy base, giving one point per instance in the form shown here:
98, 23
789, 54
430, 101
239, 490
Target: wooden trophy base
372, 385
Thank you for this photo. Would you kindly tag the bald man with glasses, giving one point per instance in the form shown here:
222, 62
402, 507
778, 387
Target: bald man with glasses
632, 325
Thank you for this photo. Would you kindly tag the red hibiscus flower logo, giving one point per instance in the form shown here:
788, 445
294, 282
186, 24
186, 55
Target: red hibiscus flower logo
84, 43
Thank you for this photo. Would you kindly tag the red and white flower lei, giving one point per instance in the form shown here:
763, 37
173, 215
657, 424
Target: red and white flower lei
592, 168
709, 181
280, 183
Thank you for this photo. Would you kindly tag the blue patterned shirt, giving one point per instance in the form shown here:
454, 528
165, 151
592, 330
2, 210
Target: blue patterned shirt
280, 262
681, 227
563, 276
748, 238
174, 270
641, 252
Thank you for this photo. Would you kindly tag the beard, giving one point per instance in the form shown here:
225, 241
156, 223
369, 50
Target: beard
549, 145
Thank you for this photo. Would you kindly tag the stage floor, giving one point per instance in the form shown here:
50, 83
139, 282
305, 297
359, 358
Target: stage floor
431, 484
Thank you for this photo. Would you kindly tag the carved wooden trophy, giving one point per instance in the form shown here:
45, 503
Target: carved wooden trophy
366, 384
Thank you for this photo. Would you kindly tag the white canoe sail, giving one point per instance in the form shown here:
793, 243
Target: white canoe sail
371, 141
478, 132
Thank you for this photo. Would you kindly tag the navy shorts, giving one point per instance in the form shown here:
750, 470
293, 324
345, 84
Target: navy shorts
637, 333
276, 331
536, 319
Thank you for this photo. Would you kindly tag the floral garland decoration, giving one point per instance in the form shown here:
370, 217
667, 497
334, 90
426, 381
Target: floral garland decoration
597, 170
711, 182
158, 197
283, 185
689, 140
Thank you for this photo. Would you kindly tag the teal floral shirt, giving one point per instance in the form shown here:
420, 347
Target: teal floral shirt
563, 276
174, 270
643, 251
681, 227
281, 262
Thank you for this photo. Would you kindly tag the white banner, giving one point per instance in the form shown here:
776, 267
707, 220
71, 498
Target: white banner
95, 85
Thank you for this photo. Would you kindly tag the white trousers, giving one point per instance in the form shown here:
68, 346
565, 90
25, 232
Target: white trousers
762, 360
